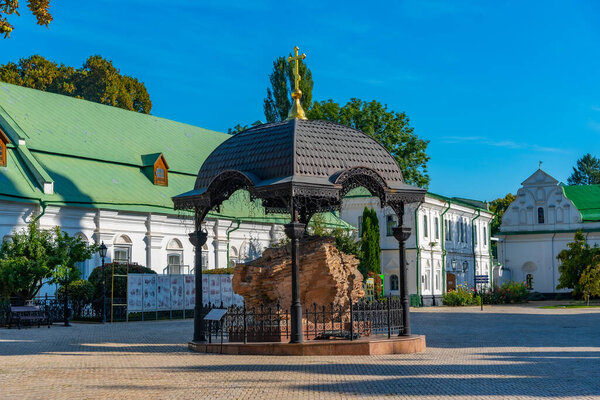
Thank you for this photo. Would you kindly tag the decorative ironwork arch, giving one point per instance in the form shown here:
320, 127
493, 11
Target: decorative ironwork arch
362, 177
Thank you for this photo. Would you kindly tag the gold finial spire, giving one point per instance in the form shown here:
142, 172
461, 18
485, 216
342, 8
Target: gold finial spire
296, 112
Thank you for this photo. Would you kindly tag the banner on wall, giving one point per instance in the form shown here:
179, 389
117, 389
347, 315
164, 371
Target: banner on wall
151, 292
163, 292
134, 292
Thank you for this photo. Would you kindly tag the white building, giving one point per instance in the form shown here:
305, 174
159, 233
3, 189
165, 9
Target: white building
108, 175
449, 244
539, 224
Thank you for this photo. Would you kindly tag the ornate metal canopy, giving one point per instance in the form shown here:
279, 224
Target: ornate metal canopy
299, 166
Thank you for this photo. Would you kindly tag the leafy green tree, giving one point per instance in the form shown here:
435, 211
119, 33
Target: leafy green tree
98, 80
590, 280
277, 103
34, 255
391, 129
586, 172
39, 8
573, 261
498, 207
369, 244
24, 263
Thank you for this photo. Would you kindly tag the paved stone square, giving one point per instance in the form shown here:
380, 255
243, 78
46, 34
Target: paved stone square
504, 352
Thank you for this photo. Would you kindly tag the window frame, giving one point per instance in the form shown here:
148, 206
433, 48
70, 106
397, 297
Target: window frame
540, 213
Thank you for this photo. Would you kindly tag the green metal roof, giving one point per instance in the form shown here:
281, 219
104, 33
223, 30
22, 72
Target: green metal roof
474, 204
96, 156
587, 200
69, 126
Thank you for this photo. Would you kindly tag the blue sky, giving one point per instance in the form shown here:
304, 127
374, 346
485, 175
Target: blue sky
495, 86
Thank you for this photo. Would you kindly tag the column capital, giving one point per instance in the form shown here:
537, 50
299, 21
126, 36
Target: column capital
402, 233
294, 230
198, 238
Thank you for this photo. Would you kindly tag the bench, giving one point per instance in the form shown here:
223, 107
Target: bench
29, 314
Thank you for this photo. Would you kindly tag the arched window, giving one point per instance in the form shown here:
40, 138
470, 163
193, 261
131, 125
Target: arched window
233, 257
175, 256
540, 215
122, 249
394, 282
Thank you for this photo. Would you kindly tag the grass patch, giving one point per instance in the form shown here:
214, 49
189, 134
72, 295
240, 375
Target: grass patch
571, 306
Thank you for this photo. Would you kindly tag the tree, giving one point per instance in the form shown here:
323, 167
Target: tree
590, 280
277, 103
498, 207
369, 244
34, 255
24, 263
573, 262
391, 129
586, 172
97, 80
39, 8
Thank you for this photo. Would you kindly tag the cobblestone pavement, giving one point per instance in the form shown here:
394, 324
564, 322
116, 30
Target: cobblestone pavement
504, 352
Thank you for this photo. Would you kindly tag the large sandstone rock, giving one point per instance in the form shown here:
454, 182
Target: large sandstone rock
326, 276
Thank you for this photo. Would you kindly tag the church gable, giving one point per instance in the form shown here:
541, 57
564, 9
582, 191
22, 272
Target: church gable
540, 178
540, 205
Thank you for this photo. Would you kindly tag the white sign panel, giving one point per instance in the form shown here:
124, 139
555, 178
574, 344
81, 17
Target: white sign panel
176, 292
214, 285
149, 296
134, 292
190, 291
205, 290
163, 292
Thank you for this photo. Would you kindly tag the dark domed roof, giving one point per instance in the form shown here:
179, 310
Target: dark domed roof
297, 151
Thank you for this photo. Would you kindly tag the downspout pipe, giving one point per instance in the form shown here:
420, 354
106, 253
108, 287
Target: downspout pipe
473, 246
43, 204
418, 248
489, 240
443, 236
229, 231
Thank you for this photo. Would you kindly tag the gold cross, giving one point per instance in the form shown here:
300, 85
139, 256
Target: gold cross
296, 58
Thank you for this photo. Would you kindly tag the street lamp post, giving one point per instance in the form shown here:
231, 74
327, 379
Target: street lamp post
103, 249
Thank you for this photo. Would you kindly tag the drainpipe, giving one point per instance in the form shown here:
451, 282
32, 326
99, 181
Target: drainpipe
489, 239
229, 230
43, 204
443, 227
418, 253
473, 246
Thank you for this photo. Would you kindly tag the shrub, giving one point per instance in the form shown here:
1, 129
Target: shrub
219, 271
81, 293
508, 293
462, 296
120, 283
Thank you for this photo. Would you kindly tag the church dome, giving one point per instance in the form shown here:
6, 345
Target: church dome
302, 151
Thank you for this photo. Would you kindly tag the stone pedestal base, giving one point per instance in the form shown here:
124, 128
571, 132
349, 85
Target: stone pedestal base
360, 347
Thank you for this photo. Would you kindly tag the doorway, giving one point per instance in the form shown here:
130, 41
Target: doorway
450, 281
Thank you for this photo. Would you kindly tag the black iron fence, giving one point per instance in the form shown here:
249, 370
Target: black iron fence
272, 324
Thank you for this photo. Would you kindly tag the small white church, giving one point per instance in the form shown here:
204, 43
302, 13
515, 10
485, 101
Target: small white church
539, 224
